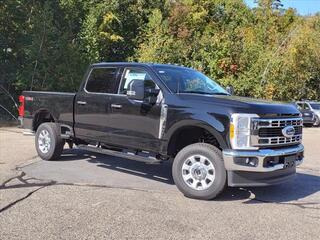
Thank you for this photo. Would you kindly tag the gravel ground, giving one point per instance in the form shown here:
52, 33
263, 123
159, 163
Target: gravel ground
91, 196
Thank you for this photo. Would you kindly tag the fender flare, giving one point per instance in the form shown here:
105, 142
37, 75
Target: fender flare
38, 112
217, 133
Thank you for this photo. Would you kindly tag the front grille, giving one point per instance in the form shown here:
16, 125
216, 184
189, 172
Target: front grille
277, 131
268, 132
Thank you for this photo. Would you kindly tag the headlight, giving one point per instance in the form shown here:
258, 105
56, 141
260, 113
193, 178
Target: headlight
240, 130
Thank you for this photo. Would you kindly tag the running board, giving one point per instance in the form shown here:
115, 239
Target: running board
27, 132
150, 160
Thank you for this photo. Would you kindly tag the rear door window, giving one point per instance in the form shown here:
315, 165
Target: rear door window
102, 80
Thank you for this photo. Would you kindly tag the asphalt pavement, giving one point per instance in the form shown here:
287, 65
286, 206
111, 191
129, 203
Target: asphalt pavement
93, 196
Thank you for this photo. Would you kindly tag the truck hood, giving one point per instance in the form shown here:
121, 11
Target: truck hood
235, 104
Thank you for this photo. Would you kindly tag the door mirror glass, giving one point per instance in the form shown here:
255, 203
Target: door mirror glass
136, 89
151, 92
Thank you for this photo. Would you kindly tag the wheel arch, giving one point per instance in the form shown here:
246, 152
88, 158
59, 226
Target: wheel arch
193, 126
40, 116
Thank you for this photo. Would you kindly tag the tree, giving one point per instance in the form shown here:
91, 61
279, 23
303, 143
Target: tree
266, 52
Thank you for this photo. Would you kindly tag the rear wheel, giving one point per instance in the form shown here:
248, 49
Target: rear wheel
198, 171
48, 142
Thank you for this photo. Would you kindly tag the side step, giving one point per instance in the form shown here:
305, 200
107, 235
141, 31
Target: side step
139, 158
28, 132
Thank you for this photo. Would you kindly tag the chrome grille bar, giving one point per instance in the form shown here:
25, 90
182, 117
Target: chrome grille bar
262, 127
282, 122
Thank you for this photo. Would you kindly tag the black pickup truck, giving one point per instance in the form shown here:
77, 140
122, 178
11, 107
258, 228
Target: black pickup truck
157, 112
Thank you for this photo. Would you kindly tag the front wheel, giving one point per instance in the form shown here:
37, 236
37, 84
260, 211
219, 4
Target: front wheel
48, 142
198, 171
317, 122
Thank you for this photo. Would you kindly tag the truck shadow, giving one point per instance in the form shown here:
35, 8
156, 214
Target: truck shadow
301, 186
157, 172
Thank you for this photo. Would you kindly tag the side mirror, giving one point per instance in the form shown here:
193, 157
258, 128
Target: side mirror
151, 95
136, 89
230, 90
143, 90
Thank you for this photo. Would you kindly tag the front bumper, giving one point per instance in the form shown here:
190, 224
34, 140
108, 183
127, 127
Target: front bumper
26, 124
269, 167
308, 120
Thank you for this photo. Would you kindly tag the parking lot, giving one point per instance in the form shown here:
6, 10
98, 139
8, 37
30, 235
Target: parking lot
92, 196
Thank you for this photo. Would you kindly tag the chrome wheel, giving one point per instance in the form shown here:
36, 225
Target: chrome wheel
44, 141
316, 122
198, 172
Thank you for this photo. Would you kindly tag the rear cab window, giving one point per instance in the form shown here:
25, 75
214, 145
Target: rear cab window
102, 80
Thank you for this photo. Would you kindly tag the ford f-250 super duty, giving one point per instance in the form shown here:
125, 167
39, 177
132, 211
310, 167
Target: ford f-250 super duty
157, 112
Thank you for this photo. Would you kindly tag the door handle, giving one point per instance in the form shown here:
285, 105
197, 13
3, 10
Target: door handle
117, 106
81, 102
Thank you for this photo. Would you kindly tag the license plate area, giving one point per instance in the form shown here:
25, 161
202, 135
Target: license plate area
289, 161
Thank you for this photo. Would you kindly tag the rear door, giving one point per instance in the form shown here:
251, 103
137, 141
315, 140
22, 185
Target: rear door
93, 104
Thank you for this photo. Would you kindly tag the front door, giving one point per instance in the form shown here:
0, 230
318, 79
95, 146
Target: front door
134, 123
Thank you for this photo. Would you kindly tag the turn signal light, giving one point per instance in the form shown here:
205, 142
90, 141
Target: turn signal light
231, 130
21, 106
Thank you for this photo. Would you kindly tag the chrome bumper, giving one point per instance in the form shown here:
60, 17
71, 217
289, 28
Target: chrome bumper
229, 156
26, 124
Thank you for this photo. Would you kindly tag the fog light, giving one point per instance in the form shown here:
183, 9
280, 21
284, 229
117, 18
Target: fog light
246, 161
251, 161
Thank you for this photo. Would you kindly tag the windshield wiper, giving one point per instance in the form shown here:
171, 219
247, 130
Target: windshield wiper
221, 93
198, 92
208, 93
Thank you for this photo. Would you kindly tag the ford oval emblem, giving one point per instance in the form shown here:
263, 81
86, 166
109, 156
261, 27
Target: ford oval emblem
288, 131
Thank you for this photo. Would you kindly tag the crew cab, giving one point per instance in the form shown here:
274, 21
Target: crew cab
158, 112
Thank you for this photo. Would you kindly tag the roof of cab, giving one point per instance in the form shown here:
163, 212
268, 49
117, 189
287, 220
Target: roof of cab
101, 64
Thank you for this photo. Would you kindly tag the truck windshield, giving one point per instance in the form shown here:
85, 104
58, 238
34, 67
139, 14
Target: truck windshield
315, 106
186, 80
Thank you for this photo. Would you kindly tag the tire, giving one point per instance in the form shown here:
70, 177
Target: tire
187, 181
317, 121
48, 142
308, 125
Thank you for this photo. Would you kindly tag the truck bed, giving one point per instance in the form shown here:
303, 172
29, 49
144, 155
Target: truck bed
59, 104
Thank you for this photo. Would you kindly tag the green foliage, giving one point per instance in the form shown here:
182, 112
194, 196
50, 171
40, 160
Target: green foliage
111, 28
265, 52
